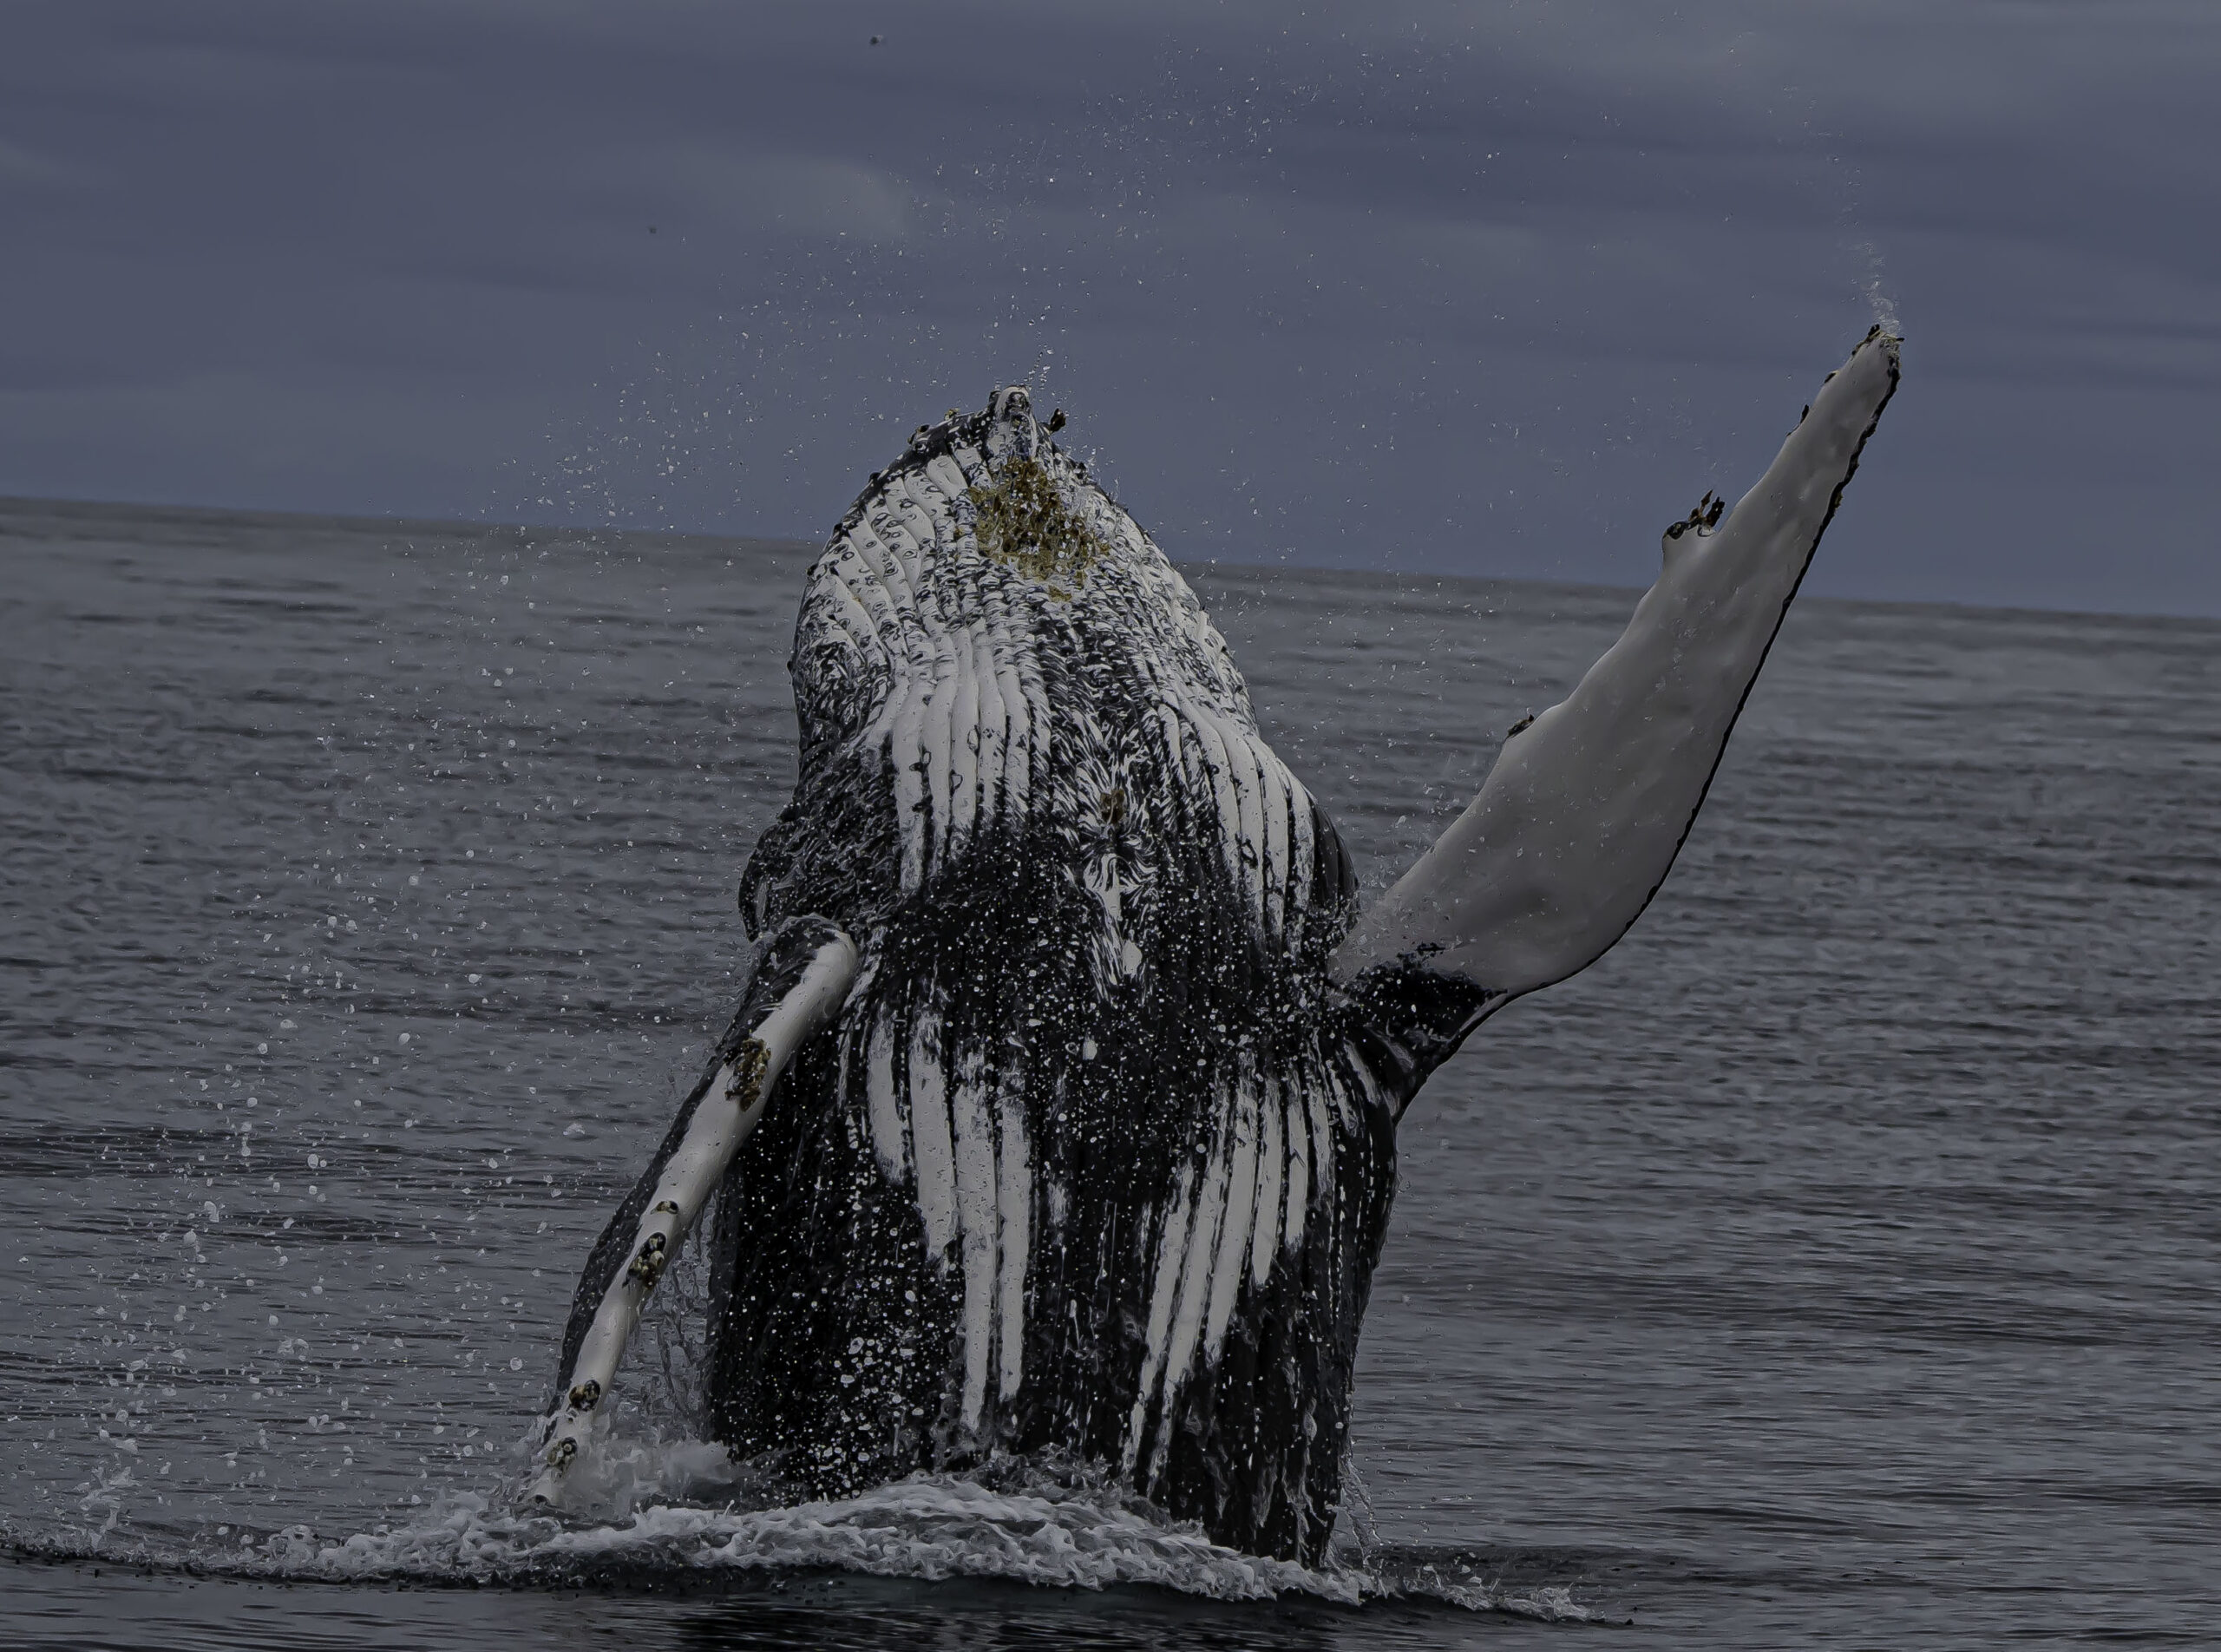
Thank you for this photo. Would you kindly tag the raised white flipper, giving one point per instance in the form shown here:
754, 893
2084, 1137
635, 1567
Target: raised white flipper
809, 984
1586, 809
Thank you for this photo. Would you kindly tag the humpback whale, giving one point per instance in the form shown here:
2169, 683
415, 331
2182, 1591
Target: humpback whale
1057, 1119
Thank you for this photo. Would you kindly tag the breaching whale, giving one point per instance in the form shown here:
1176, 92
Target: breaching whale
1058, 1117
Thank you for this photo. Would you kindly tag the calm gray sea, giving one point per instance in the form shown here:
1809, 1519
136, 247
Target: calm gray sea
1835, 1264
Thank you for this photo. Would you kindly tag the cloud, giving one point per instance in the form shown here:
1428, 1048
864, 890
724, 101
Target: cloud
1420, 285
24, 168
756, 192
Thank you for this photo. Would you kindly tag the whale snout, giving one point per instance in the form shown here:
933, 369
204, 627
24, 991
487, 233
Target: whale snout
1013, 432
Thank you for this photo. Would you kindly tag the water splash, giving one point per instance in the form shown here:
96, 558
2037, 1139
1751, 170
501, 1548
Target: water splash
1878, 299
1043, 1529
929, 1527
104, 1495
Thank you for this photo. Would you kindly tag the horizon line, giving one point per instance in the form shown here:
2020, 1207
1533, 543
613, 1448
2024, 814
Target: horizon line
27, 503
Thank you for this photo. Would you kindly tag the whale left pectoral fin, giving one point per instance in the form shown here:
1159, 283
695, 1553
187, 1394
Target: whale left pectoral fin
800, 984
1587, 804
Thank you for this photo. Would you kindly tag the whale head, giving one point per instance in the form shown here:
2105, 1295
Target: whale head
991, 649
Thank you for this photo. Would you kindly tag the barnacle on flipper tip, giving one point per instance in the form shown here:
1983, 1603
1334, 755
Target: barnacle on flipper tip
1701, 521
1023, 521
647, 1267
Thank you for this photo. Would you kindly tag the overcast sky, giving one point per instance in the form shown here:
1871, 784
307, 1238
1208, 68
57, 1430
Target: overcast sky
1490, 289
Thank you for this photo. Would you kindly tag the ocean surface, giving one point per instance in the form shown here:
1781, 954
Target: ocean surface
1835, 1264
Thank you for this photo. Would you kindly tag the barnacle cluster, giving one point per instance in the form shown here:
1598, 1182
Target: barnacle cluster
1024, 521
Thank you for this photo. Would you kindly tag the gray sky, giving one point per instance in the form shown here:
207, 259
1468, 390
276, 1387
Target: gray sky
1485, 289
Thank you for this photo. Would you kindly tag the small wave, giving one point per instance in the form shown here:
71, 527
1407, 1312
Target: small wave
929, 1528
1015, 1521
1476, 1582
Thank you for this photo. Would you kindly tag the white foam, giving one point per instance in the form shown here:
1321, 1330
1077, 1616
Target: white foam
651, 1505
929, 1527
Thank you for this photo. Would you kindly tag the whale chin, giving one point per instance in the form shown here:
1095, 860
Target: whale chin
1057, 1119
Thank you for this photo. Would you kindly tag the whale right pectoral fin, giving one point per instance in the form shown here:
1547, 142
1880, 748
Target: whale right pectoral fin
1587, 805
800, 984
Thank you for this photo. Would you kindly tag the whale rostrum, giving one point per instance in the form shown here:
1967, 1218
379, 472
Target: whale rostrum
1057, 1119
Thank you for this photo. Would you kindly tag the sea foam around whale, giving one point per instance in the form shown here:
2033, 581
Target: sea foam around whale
928, 1529
649, 1510
662, 1514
